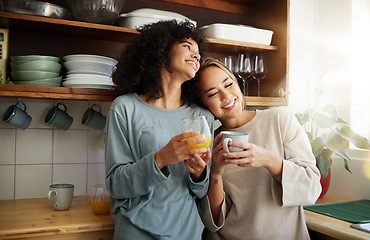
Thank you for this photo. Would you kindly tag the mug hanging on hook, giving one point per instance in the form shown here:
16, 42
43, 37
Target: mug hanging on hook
17, 116
94, 119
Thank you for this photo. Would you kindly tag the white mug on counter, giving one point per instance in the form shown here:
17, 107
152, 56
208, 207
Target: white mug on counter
61, 195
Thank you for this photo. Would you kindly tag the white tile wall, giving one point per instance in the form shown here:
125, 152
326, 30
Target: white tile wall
70, 146
34, 150
32, 181
7, 150
32, 159
7, 181
71, 173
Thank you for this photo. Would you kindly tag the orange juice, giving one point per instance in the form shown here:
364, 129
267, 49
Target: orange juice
101, 205
205, 144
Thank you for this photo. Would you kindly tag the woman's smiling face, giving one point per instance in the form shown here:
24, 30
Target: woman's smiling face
185, 58
220, 94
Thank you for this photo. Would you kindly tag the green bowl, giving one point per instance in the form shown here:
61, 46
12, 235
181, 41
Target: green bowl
15, 63
33, 57
38, 65
46, 80
32, 75
33, 83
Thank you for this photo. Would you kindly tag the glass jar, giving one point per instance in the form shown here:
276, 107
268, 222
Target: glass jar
100, 200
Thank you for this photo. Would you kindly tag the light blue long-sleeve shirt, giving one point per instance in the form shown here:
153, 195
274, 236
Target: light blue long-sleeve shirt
151, 202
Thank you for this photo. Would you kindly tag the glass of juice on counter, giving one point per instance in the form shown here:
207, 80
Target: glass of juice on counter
100, 200
200, 124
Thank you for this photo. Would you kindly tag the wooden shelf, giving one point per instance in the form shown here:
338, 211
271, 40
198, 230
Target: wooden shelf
42, 25
91, 94
45, 25
264, 101
15, 21
233, 47
231, 6
10, 90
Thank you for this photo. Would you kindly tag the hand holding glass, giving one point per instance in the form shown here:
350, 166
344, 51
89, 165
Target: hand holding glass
197, 124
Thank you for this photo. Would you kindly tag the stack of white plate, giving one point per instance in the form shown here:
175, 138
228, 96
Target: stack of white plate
36, 70
89, 71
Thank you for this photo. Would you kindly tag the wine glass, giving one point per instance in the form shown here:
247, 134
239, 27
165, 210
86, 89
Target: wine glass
200, 124
259, 71
243, 69
100, 200
228, 62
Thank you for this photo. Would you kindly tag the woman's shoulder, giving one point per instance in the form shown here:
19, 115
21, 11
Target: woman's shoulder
280, 115
124, 100
277, 112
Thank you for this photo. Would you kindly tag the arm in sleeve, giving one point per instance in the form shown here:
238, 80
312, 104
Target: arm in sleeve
127, 176
300, 176
204, 209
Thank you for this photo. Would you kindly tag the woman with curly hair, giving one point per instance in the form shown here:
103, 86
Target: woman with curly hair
153, 180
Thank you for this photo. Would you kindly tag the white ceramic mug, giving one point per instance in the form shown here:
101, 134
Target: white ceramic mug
228, 136
61, 195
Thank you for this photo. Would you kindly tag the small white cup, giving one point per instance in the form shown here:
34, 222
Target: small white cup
61, 195
228, 136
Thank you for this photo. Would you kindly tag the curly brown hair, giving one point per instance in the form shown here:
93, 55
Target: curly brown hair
140, 63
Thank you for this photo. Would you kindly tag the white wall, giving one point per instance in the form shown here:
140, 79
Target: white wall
32, 159
321, 43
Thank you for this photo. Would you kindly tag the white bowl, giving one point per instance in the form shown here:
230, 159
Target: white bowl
239, 33
99, 78
104, 68
89, 85
89, 57
89, 72
142, 16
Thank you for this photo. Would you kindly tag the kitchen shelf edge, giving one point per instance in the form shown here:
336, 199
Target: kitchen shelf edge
9, 90
91, 94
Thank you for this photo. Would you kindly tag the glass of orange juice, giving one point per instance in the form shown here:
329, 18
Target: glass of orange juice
100, 200
198, 123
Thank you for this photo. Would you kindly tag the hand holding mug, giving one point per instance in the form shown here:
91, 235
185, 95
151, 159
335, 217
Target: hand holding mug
228, 136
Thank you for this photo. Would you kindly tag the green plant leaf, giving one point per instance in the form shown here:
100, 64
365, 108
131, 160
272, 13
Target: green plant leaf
346, 166
339, 120
323, 121
317, 146
309, 136
346, 132
331, 109
337, 144
324, 161
303, 118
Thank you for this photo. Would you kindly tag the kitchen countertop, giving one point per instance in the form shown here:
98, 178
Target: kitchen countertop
36, 218
326, 227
